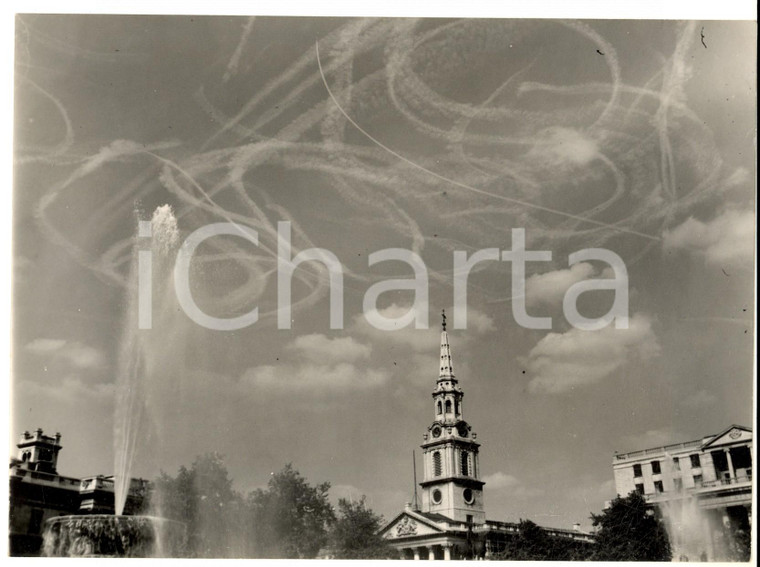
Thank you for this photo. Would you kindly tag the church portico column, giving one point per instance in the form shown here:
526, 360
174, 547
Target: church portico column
447, 552
731, 470
416, 551
431, 552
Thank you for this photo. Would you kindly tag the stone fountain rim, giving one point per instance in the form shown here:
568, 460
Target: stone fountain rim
116, 517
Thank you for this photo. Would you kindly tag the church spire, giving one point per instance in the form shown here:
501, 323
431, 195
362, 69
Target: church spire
451, 485
447, 370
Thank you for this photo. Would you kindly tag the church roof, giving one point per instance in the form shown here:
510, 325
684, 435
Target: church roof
412, 523
436, 517
730, 435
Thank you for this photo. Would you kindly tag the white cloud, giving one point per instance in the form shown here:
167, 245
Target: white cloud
510, 485
44, 346
419, 340
549, 288
561, 361
651, 438
70, 390
76, 353
316, 362
309, 377
727, 239
558, 146
347, 491
479, 322
499, 480
700, 399
318, 347
740, 176
592, 491
423, 366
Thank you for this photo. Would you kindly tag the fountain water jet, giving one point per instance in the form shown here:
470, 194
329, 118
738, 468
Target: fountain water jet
138, 379
684, 522
141, 355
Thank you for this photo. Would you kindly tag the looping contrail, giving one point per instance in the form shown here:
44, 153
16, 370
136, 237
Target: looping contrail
463, 185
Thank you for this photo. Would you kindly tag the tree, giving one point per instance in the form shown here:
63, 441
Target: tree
532, 543
629, 530
739, 541
291, 518
203, 499
355, 532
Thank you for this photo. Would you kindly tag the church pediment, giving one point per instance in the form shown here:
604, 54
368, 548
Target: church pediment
409, 525
732, 435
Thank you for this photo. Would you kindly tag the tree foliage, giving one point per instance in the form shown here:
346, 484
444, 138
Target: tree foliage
739, 542
290, 518
203, 498
354, 534
629, 530
532, 543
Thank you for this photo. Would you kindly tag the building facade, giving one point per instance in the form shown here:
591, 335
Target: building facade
450, 522
38, 493
701, 488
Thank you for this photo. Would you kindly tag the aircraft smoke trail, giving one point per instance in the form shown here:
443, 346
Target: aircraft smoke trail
468, 187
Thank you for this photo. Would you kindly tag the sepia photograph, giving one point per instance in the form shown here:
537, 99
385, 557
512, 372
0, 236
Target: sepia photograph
316, 286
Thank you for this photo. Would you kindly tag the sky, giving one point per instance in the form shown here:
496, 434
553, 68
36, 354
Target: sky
431, 135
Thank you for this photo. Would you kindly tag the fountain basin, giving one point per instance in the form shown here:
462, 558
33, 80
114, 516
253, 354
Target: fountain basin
106, 535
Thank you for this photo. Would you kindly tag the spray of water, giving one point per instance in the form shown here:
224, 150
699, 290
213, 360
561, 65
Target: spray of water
684, 523
141, 353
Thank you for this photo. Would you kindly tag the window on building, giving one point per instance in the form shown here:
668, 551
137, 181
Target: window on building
456, 407
676, 464
698, 480
656, 467
465, 463
636, 470
678, 484
437, 465
448, 406
695, 464
658, 487
438, 408
640, 487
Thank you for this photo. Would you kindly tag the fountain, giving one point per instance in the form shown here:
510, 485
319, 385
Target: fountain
106, 535
141, 355
684, 522
118, 535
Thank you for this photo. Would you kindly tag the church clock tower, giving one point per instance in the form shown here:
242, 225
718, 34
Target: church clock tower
451, 485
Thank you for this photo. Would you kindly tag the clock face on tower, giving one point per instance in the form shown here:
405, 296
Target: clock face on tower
468, 495
436, 431
437, 497
462, 430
